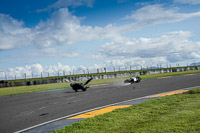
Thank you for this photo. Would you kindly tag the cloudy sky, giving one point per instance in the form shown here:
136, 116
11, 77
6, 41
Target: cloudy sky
75, 35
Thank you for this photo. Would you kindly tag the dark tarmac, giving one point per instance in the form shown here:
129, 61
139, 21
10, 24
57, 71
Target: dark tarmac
26, 110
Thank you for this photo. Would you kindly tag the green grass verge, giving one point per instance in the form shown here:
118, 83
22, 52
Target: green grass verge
169, 74
37, 88
177, 113
30, 89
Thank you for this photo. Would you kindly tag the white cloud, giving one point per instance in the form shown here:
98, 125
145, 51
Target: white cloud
35, 70
45, 53
153, 15
173, 47
190, 2
20, 72
134, 63
63, 28
52, 52
13, 34
68, 3
170, 48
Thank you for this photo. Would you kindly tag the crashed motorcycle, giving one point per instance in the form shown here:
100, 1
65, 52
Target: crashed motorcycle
80, 86
133, 80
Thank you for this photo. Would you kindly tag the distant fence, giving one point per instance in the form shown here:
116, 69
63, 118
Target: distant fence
83, 77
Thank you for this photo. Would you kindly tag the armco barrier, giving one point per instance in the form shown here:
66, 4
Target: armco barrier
4, 83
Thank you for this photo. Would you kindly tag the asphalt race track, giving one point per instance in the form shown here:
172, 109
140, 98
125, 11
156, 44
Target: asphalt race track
22, 111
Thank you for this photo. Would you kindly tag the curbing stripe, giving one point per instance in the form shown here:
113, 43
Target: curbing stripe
98, 112
169, 93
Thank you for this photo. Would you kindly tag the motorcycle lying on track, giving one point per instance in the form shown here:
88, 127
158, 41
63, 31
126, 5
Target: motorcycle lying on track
80, 86
133, 80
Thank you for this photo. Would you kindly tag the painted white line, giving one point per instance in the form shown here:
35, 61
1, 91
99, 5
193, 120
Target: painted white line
64, 117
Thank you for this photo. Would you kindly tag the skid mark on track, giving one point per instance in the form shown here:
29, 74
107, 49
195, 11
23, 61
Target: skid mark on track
189, 74
98, 85
165, 77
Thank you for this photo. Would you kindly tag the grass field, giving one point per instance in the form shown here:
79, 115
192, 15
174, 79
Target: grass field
177, 113
37, 88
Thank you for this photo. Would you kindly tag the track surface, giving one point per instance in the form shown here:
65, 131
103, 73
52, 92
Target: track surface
22, 111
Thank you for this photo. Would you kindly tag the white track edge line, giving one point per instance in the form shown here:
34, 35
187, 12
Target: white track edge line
64, 117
